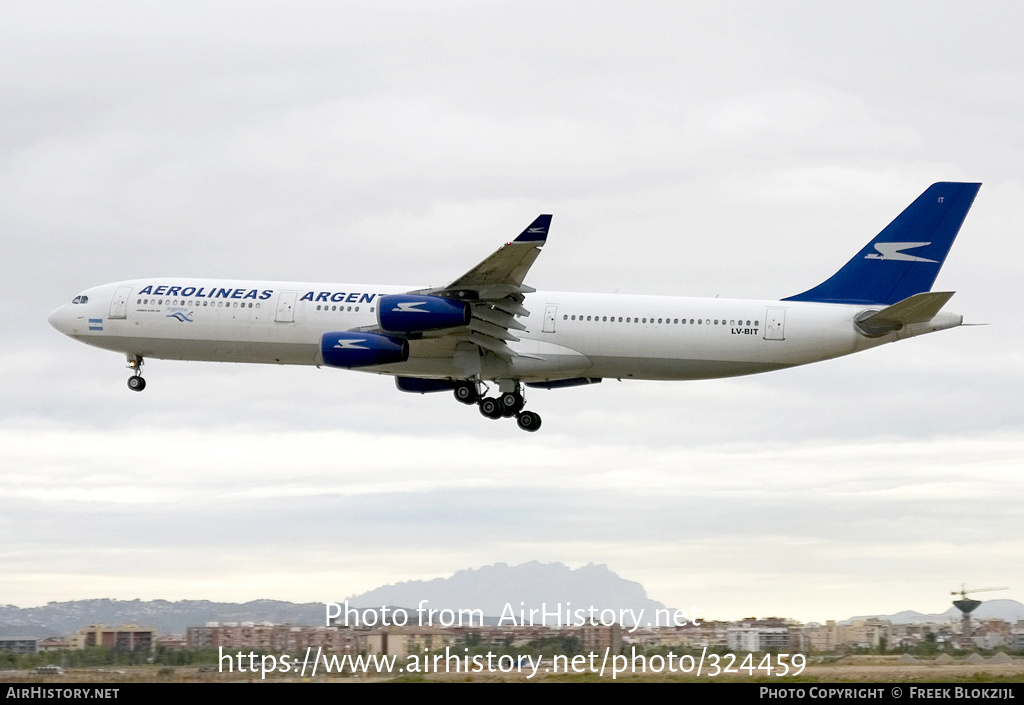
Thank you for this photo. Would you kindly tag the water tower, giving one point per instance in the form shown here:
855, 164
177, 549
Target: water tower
966, 605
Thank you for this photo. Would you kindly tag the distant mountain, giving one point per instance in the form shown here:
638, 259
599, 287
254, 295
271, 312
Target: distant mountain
489, 589
63, 618
493, 589
1007, 610
501, 588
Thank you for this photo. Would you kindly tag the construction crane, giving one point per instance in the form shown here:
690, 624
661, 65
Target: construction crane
963, 591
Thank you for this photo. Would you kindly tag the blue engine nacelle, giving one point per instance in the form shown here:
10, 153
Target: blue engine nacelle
406, 313
351, 349
418, 385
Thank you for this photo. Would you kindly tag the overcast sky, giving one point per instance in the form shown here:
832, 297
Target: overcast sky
692, 149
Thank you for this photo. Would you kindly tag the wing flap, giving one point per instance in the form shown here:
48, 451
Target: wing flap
492, 330
497, 317
510, 306
496, 346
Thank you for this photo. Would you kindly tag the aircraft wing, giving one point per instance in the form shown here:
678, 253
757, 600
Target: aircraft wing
495, 290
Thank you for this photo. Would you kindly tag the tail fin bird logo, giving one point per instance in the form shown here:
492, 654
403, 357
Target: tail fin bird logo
894, 251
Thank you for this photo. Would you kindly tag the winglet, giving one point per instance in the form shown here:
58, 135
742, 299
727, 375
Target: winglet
537, 231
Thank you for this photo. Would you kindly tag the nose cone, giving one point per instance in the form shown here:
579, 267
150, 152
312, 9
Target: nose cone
57, 319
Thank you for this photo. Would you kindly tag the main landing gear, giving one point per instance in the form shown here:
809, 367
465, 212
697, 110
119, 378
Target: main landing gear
136, 383
506, 405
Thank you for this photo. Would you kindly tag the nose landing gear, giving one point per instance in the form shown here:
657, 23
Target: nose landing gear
136, 383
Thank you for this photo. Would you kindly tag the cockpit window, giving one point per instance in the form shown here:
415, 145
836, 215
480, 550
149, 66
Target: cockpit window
80, 300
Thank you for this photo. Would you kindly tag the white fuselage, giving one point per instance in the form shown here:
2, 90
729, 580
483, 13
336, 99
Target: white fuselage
567, 335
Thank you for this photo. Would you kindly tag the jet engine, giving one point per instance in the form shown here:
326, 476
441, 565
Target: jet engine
406, 313
351, 349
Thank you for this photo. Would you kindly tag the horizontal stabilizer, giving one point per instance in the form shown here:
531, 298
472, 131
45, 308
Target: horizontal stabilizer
919, 308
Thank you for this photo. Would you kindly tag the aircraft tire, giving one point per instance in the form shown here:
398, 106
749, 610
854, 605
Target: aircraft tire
513, 403
136, 383
492, 408
528, 421
465, 393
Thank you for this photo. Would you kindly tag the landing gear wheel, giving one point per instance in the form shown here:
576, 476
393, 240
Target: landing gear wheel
513, 403
528, 421
492, 408
465, 392
136, 383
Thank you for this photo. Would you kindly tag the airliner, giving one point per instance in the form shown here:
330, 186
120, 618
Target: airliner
487, 336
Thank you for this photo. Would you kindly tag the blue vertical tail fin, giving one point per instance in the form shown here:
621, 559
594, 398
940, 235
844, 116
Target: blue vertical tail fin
906, 256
